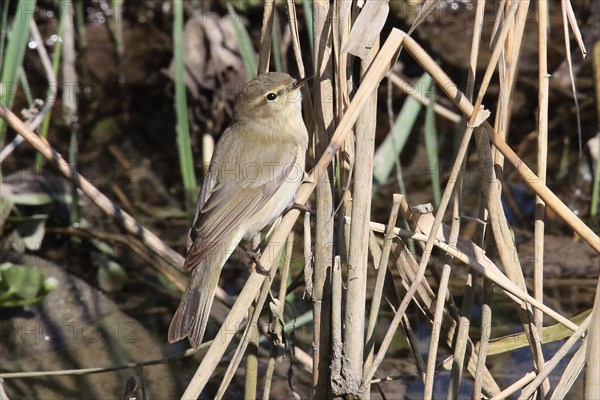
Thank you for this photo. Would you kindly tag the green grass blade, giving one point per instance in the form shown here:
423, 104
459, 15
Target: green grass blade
246, 48
17, 44
25, 83
39, 160
308, 15
3, 32
431, 146
392, 146
276, 46
183, 130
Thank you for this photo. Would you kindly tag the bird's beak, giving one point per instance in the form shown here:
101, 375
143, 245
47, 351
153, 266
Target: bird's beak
300, 82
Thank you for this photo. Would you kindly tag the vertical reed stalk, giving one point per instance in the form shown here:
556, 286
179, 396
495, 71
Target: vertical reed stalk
324, 115
354, 322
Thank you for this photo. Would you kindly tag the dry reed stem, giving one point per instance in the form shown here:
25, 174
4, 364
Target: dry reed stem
456, 372
486, 332
410, 90
376, 253
277, 327
264, 54
502, 233
568, 15
50, 76
251, 372
308, 256
324, 117
356, 284
542, 156
592, 358
422, 266
425, 294
336, 347
435, 332
464, 318
381, 264
99, 370
524, 380
571, 373
507, 72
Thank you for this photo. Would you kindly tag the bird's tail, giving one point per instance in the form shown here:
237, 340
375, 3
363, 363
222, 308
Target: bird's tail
191, 316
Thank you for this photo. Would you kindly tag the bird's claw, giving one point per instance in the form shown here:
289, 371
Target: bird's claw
255, 258
301, 207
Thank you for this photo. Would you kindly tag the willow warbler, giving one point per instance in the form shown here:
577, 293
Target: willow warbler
255, 171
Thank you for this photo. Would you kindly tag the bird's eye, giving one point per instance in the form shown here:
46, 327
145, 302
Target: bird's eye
271, 97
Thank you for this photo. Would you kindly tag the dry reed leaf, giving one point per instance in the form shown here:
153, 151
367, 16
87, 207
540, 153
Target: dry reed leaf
212, 59
574, 26
571, 373
550, 334
366, 28
567, 12
592, 356
425, 10
473, 255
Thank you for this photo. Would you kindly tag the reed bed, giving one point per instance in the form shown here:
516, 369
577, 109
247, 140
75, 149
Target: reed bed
357, 270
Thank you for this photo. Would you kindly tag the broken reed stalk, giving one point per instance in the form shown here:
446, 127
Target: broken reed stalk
356, 281
335, 349
324, 230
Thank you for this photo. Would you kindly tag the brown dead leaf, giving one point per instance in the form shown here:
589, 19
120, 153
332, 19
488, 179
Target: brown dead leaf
367, 27
211, 56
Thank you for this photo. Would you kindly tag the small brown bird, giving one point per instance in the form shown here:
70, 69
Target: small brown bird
255, 171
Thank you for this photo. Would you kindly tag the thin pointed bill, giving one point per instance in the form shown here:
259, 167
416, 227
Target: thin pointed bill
300, 82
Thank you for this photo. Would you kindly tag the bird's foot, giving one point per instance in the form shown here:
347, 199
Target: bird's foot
301, 207
255, 258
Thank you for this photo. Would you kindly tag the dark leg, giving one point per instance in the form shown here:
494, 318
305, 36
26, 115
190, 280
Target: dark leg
302, 207
254, 256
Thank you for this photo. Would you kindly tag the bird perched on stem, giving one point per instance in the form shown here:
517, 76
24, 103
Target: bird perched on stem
255, 171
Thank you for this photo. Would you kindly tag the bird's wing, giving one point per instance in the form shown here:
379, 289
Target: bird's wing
225, 203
